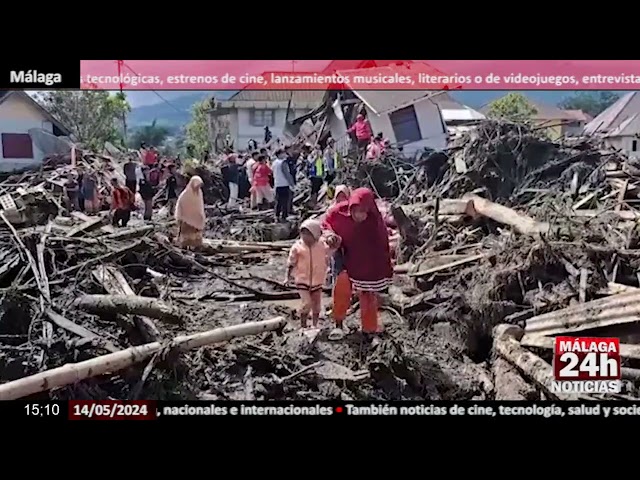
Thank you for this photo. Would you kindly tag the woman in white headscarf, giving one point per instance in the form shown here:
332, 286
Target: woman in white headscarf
190, 214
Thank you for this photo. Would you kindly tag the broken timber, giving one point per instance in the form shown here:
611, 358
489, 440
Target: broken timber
129, 305
612, 310
74, 372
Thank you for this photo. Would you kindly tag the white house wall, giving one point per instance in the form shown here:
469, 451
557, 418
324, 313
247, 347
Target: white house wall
17, 115
242, 131
429, 121
625, 144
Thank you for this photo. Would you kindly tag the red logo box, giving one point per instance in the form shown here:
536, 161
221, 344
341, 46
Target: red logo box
586, 358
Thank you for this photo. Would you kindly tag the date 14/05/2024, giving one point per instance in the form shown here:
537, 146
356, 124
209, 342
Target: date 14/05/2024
97, 410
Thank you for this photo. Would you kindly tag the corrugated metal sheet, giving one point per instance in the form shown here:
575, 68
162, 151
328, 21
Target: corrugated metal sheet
611, 118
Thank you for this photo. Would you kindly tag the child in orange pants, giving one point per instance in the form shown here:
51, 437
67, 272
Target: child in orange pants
307, 267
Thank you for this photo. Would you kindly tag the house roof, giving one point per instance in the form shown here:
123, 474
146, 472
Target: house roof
453, 110
616, 118
381, 102
579, 115
5, 94
296, 96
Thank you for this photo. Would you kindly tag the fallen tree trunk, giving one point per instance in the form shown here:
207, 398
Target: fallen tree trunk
505, 215
129, 305
75, 372
506, 344
113, 281
612, 310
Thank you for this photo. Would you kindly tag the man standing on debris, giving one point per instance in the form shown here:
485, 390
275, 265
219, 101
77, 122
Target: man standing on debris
122, 201
362, 129
190, 214
261, 176
283, 182
250, 165
89, 189
130, 175
358, 227
233, 174
171, 186
315, 167
72, 192
292, 163
332, 162
147, 192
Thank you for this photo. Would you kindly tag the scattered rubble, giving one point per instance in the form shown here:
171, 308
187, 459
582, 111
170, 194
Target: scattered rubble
504, 240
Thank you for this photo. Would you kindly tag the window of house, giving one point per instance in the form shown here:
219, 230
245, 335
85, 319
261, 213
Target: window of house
17, 145
634, 146
405, 125
263, 118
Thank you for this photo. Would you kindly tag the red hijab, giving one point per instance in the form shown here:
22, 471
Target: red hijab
366, 244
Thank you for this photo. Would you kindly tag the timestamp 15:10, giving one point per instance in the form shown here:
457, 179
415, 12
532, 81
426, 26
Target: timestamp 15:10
37, 410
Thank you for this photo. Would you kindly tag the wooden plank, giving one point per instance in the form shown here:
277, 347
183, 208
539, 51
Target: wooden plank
447, 266
614, 310
79, 330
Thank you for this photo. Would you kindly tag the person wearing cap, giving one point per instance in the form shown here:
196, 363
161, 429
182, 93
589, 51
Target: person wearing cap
307, 266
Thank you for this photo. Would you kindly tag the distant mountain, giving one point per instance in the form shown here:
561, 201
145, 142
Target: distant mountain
172, 112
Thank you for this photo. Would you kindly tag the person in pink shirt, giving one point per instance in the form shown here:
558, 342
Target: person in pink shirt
362, 129
261, 181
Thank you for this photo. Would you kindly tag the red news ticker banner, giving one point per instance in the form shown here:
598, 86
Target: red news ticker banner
360, 74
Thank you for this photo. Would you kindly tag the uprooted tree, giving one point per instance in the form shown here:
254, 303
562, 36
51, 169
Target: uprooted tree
513, 106
94, 117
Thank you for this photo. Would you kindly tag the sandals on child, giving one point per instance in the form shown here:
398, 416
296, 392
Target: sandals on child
336, 334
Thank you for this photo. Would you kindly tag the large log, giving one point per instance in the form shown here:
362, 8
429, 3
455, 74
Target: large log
613, 310
506, 344
75, 372
113, 281
505, 215
128, 305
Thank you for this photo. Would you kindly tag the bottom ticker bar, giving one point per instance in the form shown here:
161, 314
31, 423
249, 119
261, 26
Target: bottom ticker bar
446, 411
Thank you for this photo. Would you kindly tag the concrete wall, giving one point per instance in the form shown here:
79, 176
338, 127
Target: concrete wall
17, 115
242, 131
626, 145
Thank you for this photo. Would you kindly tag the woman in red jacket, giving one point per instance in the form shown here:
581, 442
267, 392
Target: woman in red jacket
357, 227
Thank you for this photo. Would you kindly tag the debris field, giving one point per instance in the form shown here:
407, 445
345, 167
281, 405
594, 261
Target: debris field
503, 241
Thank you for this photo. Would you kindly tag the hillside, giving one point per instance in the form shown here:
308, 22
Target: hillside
172, 113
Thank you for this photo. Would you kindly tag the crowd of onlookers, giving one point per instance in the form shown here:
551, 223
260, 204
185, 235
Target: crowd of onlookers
268, 174
146, 172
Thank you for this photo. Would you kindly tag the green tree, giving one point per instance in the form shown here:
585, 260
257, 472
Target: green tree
513, 106
94, 117
153, 135
197, 131
592, 103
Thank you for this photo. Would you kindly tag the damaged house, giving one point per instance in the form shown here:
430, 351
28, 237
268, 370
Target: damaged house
248, 112
20, 116
619, 125
410, 119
